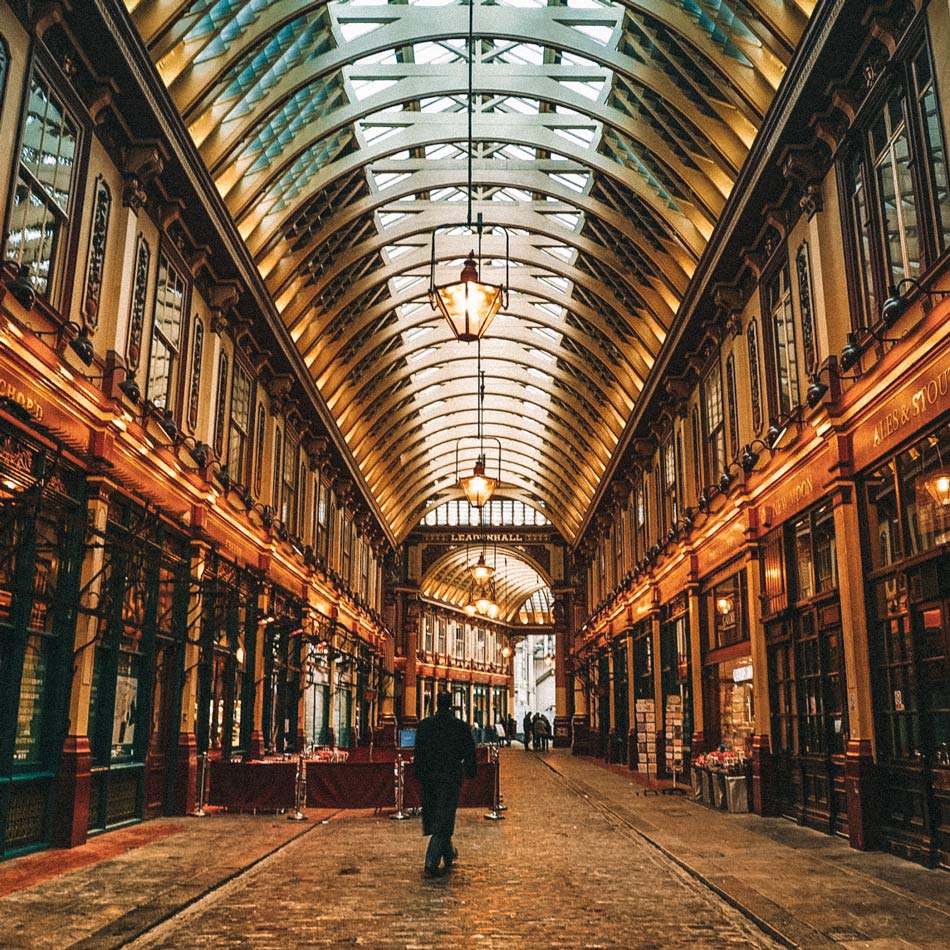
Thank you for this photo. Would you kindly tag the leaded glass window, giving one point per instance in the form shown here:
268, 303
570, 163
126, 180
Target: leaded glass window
170, 303
44, 192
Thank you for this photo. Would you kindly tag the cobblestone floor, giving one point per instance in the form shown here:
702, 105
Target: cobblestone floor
556, 873
584, 860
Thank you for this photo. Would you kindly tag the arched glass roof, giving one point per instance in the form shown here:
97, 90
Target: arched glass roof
607, 137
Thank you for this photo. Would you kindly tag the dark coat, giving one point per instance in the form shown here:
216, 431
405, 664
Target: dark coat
444, 749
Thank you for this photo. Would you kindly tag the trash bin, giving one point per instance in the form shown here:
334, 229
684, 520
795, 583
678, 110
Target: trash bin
737, 792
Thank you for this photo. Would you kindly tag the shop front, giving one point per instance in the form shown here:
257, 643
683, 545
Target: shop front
728, 681
644, 704
226, 660
677, 694
808, 690
905, 505
621, 702
283, 656
42, 519
141, 630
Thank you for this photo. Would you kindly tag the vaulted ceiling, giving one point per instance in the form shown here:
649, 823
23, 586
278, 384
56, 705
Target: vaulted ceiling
607, 137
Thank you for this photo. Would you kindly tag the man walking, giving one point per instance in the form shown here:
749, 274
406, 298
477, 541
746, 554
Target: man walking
526, 726
444, 747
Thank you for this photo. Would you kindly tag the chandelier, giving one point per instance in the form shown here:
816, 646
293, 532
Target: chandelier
469, 305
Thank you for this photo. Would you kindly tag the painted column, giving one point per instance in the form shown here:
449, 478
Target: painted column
562, 635
610, 753
386, 729
73, 783
763, 792
631, 708
256, 746
859, 762
410, 621
658, 699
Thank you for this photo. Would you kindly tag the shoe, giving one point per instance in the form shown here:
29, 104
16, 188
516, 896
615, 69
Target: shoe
430, 871
450, 859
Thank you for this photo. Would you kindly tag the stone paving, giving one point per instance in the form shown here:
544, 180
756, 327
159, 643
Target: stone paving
584, 860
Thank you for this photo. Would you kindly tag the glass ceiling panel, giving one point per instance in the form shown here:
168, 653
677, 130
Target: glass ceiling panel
596, 126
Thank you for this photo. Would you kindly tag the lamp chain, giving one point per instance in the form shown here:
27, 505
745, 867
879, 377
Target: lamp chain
471, 61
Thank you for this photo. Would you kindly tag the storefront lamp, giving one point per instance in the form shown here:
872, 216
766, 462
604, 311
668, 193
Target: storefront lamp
938, 487
724, 606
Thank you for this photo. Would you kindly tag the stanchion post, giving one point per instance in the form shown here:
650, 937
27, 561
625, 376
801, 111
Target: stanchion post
299, 792
495, 813
399, 768
202, 777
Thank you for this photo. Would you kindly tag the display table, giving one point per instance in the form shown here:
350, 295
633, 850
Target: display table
266, 785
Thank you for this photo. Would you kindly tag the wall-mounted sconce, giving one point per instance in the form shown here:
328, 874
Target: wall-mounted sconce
897, 301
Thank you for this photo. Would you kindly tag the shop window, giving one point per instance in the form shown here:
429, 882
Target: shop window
907, 501
713, 421
170, 302
895, 175
643, 663
813, 538
730, 620
44, 194
781, 324
459, 641
730, 691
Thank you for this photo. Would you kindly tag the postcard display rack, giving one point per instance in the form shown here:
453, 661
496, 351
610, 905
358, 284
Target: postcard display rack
646, 736
674, 736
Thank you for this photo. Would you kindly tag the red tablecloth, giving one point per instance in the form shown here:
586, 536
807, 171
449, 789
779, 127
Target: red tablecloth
351, 784
261, 786
373, 785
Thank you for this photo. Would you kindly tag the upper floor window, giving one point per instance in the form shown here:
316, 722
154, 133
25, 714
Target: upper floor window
44, 195
287, 512
639, 518
670, 500
713, 417
240, 424
896, 182
498, 511
170, 303
778, 304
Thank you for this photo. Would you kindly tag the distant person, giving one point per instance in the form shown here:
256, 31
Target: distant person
528, 731
511, 727
545, 730
444, 749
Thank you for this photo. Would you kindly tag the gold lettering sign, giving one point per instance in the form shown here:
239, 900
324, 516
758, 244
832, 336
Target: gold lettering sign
22, 399
793, 497
915, 404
